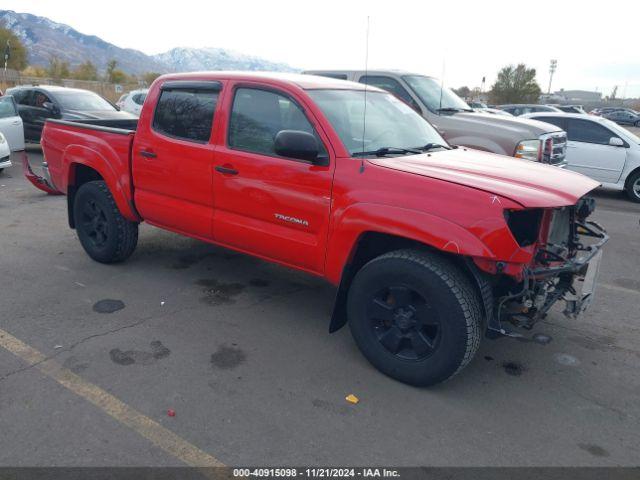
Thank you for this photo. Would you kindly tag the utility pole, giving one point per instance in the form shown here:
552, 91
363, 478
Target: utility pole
552, 69
7, 54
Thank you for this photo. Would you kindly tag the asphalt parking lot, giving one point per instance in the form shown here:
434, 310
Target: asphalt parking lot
239, 349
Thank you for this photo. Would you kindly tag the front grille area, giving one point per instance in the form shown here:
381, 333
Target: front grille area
554, 147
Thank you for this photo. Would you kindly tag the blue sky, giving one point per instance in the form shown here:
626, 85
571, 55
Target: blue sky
596, 43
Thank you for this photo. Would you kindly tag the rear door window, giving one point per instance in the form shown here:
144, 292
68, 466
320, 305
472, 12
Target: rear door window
186, 113
23, 97
588, 132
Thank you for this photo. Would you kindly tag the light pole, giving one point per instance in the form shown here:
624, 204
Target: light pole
7, 54
552, 69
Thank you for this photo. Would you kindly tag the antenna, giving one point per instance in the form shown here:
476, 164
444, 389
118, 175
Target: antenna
364, 111
441, 88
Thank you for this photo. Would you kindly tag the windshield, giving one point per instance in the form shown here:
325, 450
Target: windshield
433, 95
87, 101
389, 121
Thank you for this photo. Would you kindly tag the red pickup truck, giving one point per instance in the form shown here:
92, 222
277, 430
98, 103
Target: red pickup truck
431, 247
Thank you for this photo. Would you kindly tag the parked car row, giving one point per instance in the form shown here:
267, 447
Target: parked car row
600, 150
36, 104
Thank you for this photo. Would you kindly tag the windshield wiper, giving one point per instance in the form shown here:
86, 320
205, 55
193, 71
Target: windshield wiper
431, 146
453, 109
381, 152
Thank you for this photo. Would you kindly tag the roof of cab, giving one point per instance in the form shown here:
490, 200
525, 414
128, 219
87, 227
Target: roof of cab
306, 82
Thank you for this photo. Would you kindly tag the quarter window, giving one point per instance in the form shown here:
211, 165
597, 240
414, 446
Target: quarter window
588, 132
258, 115
186, 113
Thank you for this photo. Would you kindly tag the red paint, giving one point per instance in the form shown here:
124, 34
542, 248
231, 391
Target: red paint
450, 200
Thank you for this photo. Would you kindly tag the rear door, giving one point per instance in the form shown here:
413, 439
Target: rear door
11, 123
589, 152
265, 204
173, 157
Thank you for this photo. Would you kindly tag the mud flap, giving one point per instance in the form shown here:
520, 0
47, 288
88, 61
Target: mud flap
36, 180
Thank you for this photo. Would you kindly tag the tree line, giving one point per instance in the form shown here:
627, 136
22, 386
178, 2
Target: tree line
514, 84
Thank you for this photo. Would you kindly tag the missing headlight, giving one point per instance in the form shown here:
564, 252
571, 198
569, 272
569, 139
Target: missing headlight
524, 225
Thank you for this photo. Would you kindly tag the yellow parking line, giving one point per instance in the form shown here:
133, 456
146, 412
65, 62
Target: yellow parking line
123, 413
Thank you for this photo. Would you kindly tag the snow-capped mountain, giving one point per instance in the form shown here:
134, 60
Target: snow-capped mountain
45, 38
184, 59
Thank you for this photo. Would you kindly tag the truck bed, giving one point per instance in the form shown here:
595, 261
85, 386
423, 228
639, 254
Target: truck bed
104, 146
108, 125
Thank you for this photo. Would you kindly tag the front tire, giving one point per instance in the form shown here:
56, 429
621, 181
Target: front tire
104, 233
415, 316
633, 187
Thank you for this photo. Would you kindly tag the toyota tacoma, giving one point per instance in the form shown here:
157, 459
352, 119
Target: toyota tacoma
431, 247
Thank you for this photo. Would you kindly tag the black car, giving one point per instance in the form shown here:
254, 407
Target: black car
39, 103
624, 117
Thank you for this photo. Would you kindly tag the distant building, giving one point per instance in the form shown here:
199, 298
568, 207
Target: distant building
578, 96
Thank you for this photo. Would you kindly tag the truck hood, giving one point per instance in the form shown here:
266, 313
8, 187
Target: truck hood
531, 184
521, 127
96, 115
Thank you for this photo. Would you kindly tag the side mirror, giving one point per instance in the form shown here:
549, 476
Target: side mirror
51, 108
298, 144
616, 142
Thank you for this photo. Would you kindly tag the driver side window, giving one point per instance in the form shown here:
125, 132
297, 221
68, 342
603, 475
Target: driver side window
38, 99
258, 115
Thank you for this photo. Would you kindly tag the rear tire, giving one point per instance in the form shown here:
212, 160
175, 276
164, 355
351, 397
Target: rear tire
633, 187
414, 316
104, 233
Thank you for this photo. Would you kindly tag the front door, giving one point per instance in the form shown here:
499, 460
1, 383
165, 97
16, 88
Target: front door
172, 158
267, 205
589, 152
11, 123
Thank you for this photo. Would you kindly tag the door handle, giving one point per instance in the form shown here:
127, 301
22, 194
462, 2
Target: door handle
146, 154
226, 170
16, 123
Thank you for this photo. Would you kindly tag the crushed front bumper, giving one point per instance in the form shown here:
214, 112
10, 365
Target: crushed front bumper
572, 280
